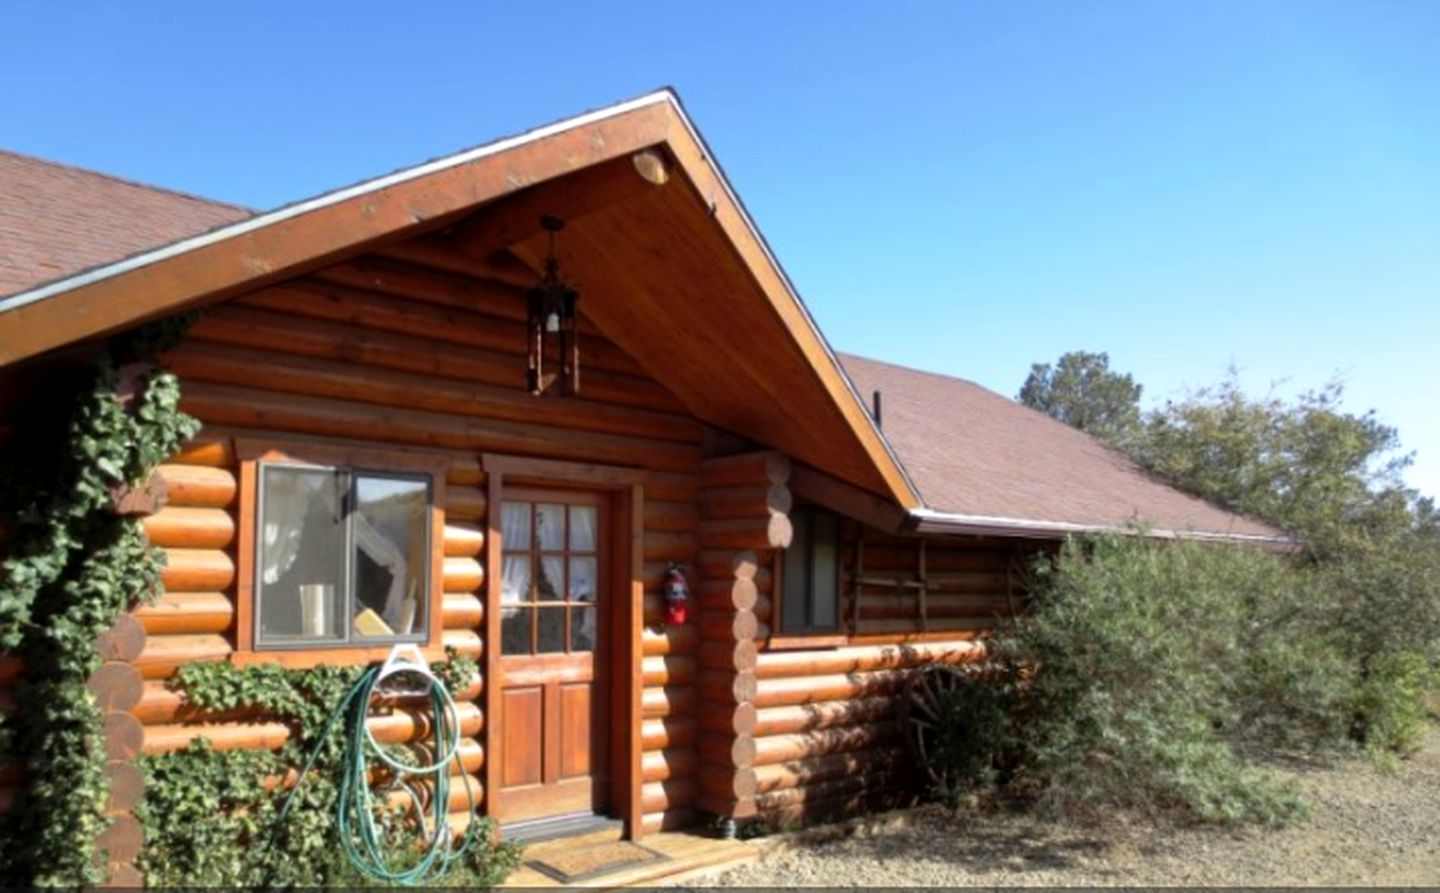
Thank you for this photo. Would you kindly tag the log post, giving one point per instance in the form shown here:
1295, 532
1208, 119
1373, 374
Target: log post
744, 515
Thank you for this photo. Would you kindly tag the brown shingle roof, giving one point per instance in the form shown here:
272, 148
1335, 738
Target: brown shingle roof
973, 452
57, 220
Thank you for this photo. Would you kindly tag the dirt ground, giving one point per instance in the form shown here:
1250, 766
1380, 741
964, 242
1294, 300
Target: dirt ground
1368, 826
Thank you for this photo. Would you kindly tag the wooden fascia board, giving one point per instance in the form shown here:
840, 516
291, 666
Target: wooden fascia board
848, 500
705, 177
260, 252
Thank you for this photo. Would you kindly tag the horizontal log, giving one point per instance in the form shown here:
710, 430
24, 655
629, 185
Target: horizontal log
728, 595
670, 517
461, 610
465, 470
955, 625
164, 654
880, 761
316, 299
466, 792
122, 839
464, 540
465, 503
729, 656
399, 727
669, 820
738, 720
727, 751
811, 717
463, 575
206, 450
327, 416
862, 658
727, 784
229, 338
10, 668
937, 607
664, 702
465, 642
813, 689
671, 486
160, 704
659, 765
198, 486
123, 641
753, 501
197, 570
762, 610
127, 786
661, 670
808, 745
659, 734
187, 612
905, 560
734, 625
683, 639
821, 791
178, 527
769, 532
724, 689
124, 736
666, 547
727, 564
117, 686
763, 467
675, 793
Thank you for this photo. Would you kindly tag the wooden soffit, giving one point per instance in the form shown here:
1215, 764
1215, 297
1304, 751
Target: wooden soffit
677, 275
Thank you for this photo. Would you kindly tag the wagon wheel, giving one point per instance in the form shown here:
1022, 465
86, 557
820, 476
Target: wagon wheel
927, 706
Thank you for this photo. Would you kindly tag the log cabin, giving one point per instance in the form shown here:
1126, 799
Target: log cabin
404, 443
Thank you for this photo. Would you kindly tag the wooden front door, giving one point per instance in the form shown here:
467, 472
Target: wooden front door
552, 685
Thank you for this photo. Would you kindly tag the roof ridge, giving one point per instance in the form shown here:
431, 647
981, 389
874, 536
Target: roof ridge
150, 187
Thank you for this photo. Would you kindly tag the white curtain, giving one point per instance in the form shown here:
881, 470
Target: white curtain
515, 534
582, 528
386, 554
288, 495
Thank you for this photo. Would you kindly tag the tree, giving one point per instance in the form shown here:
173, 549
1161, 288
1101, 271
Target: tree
1081, 391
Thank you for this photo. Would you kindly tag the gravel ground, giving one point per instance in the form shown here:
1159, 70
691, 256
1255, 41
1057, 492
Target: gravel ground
1368, 826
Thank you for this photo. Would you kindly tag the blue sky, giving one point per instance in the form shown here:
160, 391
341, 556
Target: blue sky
963, 187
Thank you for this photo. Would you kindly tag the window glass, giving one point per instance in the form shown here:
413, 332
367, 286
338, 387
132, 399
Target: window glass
391, 546
811, 574
551, 577
341, 557
550, 633
301, 555
550, 526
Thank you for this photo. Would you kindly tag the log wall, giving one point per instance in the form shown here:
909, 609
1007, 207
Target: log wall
383, 353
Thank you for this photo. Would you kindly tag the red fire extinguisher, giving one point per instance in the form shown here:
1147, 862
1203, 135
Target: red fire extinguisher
677, 595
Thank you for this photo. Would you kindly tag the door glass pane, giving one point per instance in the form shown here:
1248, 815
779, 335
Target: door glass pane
301, 555
515, 579
550, 526
515, 630
582, 629
515, 525
551, 585
582, 528
389, 529
551, 633
582, 579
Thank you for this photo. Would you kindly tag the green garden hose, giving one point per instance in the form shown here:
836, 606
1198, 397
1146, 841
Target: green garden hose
361, 814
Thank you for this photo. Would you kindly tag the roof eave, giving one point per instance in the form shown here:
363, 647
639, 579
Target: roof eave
927, 520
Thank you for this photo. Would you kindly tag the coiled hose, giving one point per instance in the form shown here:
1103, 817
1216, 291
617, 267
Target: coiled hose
359, 810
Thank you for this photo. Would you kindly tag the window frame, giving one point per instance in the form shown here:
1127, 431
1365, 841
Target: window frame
254, 456
784, 636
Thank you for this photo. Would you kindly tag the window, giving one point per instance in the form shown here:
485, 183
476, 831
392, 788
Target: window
550, 571
342, 557
810, 575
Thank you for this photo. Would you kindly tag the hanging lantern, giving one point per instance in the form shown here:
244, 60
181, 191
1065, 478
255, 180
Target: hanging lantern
551, 324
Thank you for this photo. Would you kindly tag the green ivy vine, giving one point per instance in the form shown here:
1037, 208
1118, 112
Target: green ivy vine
212, 818
71, 567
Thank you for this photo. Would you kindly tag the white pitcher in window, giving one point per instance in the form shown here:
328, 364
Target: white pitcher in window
314, 604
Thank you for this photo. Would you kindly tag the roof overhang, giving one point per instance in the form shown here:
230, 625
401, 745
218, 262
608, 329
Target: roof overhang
834, 431
926, 520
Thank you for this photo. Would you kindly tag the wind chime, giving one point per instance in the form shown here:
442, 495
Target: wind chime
552, 325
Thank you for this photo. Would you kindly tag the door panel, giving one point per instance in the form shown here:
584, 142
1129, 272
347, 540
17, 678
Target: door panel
554, 626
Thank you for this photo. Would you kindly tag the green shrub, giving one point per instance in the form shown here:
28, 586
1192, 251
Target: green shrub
960, 726
1390, 702
1144, 684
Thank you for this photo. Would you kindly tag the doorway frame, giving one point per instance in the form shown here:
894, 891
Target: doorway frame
626, 488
